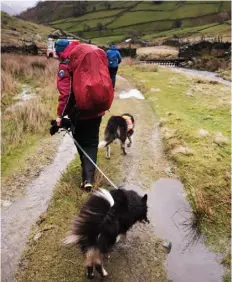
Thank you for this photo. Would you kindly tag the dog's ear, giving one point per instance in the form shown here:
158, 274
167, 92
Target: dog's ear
144, 198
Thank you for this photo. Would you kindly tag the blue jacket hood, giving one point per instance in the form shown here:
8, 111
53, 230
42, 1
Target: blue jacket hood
113, 47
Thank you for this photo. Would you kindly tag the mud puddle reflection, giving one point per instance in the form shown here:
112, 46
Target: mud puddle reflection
18, 218
169, 210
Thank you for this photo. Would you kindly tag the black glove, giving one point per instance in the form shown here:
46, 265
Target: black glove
65, 123
54, 127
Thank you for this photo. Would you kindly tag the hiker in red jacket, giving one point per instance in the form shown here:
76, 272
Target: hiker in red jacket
86, 125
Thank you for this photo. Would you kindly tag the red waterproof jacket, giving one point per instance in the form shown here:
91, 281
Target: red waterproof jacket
64, 85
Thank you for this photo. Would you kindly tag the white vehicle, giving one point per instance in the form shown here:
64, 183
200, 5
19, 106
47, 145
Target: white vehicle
51, 51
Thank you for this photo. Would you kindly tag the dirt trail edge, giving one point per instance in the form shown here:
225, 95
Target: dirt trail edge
17, 219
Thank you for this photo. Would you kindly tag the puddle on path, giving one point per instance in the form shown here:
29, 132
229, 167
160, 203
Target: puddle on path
17, 218
132, 93
125, 90
168, 210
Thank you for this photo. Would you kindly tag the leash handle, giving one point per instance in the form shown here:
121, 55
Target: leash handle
93, 163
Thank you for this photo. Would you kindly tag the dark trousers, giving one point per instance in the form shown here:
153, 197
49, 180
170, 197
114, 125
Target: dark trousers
113, 72
87, 135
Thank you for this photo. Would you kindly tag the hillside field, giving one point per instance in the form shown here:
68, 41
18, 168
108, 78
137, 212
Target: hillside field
113, 21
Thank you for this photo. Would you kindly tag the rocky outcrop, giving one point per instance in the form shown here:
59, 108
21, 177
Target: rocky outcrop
31, 49
217, 49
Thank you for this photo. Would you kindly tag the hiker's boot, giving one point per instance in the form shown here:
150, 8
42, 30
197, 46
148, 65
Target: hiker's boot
87, 186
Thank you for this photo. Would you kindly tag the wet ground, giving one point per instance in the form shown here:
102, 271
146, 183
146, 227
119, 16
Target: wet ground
189, 260
141, 256
22, 213
169, 211
206, 74
25, 95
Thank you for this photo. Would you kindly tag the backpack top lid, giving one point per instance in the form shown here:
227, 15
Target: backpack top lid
78, 53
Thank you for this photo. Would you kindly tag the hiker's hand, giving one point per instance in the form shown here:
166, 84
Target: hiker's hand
64, 123
58, 121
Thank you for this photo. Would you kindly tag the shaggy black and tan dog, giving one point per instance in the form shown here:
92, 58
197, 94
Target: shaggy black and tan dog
102, 220
118, 127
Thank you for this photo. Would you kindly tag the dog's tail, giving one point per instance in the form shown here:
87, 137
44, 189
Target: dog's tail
103, 193
91, 218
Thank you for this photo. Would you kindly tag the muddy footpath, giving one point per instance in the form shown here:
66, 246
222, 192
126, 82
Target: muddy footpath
159, 251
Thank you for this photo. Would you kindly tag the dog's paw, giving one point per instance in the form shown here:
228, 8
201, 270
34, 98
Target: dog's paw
129, 145
102, 144
90, 276
101, 270
118, 238
105, 274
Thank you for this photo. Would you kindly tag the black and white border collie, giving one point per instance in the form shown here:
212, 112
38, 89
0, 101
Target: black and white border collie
118, 127
105, 217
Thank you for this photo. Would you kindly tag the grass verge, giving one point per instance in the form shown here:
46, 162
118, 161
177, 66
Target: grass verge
28, 119
25, 163
225, 74
195, 124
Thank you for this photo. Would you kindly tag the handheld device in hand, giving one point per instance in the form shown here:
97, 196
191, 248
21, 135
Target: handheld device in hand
65, 123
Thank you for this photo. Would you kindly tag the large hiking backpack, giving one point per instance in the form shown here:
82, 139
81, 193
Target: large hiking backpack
91, 85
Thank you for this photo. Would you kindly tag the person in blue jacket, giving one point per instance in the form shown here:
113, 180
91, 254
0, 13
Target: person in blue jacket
114, 59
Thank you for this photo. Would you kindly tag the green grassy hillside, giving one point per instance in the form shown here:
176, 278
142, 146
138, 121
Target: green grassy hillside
108, 21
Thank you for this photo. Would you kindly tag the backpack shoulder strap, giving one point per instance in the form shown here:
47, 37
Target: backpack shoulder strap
65, 61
